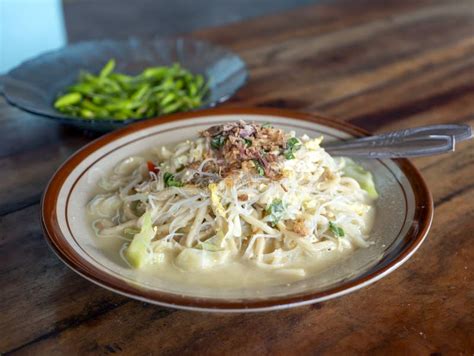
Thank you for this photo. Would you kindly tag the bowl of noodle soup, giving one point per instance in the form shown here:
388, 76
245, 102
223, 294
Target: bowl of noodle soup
233, 210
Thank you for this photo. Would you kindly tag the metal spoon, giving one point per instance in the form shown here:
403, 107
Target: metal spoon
413, 142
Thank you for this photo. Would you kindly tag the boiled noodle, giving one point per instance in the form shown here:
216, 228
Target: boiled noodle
240, 193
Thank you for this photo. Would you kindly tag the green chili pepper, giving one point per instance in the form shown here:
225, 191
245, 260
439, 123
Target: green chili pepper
155, 91
87, 114
67, 100
171, 108
108, 68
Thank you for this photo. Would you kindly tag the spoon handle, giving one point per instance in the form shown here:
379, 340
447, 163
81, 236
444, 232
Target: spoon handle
412, 142
460, 132
387, 147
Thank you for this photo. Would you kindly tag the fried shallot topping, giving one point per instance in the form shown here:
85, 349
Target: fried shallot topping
300, 227
250, 147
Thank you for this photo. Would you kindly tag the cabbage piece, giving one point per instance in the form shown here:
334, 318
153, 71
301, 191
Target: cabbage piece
193, 259
363, 177
128, 165
137, 253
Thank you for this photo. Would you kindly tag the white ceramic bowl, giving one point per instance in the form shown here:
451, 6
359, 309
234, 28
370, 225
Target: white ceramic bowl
404, 214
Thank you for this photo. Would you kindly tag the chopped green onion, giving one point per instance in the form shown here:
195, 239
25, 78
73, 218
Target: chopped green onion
171, 181
292, 145
275, 210
217, 141
259, 167
338, 231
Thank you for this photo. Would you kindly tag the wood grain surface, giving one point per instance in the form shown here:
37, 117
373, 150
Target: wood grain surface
377, 64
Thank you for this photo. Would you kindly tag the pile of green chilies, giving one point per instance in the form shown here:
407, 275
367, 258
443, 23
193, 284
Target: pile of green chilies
154, 92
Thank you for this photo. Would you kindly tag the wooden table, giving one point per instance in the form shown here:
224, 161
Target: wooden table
381, 65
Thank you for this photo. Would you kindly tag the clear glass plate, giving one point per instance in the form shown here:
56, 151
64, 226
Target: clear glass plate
33, 85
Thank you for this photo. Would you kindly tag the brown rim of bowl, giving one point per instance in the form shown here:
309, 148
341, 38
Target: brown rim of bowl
414, 237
